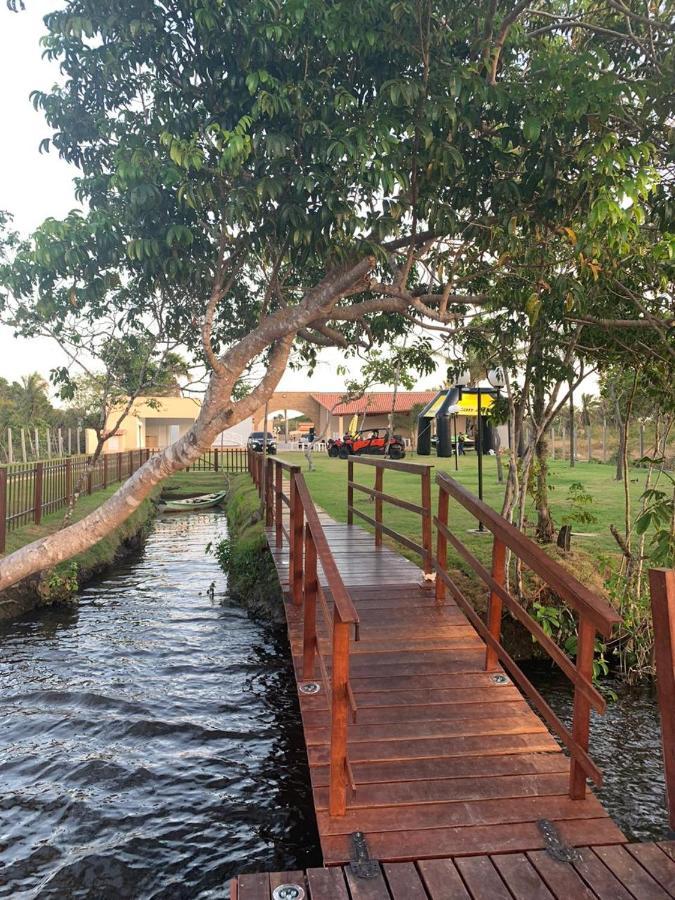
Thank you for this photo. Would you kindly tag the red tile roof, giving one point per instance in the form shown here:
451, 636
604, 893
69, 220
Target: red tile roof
375, 403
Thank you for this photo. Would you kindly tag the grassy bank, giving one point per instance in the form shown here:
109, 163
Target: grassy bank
244, 555
190, 484
61, 582
328, 485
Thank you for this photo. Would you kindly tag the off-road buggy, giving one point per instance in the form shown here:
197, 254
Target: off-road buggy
370, 441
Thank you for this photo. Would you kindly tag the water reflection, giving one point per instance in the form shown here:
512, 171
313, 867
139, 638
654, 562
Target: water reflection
626, 745
151, 743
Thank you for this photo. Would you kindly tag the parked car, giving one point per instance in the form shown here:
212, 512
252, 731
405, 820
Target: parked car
256, 441
370, 441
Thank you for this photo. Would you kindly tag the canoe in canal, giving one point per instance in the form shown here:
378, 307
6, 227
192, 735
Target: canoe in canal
205, 501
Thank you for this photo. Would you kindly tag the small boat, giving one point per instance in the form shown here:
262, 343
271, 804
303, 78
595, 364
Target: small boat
205, 501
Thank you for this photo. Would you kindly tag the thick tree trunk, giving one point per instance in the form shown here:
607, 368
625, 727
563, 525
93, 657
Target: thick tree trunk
573, 431
545, 528
217, 414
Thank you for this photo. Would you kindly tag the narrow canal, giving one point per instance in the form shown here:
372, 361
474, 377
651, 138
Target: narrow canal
150, 741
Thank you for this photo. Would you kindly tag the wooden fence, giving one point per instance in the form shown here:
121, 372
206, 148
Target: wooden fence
593, 615
309, 547
30, 490
377, 494
307, 542
222, 459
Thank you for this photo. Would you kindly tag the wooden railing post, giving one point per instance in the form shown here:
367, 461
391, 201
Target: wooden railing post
215, 460
3, 509
662, 589
310, 588
37, 492
69, 479
442, 542
269, 493
278, 504
379, 482
105, 471
337, 791
581, 715
495, 603
426, 521
296, 532
350, 492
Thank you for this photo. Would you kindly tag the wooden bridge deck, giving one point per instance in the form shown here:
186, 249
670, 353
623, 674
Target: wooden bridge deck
447, 761
633, 872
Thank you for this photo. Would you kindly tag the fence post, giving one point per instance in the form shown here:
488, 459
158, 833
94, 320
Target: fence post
105, 471
296, 551
379, 483
495, 603
662, 590
90, 475
278, 505
37, 493
269, 494
426, 520
441, 542
215, 459
69, 479
310, 589
337, 791
582, 711
350, 492
3, 508
119, 466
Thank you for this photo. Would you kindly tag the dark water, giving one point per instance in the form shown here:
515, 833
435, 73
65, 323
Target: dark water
626, 745
150, 742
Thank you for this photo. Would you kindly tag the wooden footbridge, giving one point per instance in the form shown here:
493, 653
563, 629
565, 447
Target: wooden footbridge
432, 775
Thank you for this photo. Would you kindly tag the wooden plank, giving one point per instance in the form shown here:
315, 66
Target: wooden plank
521, 878
450, 789
598, 877
367, 888
430, 729
668, 848
327, 884
461, 766
254, 887
660, 866
630, 873
442, 880
482, 879
404, 882
438, 748
279, 878
454, 814
464, 841
420, 714
561, 878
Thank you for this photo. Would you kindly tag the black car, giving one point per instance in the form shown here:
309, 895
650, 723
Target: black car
256, 441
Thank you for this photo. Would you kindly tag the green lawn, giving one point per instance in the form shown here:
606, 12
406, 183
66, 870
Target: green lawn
189, 484
328, 484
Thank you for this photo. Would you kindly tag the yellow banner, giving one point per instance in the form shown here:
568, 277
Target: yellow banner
468, 404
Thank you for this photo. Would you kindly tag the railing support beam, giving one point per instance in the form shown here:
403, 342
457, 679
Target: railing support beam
337, 791
581, 715
310, 589
495, 603
662, 589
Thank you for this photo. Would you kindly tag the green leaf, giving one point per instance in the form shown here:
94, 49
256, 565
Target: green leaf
531, 128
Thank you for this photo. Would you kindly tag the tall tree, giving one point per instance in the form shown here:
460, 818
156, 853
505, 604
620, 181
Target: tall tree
288, 176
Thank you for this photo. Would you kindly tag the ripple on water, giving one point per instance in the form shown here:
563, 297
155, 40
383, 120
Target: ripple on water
151, 744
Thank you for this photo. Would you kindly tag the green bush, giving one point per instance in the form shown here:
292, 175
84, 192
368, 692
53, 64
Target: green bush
244, 555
